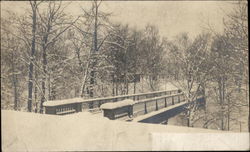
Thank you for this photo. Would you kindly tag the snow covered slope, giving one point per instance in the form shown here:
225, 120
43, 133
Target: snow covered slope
23, 131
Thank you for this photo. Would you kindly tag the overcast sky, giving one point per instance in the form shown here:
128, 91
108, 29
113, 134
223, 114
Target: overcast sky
171, 17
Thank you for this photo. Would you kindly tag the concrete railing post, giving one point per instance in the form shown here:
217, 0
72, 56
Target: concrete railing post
99, 103
130, 111
79, 107
156, 104
91, 105
165, 102
50, 110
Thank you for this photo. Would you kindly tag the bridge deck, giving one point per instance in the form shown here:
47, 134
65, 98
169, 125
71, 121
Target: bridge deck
151, 114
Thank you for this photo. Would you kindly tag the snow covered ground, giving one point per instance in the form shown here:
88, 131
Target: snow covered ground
23, 131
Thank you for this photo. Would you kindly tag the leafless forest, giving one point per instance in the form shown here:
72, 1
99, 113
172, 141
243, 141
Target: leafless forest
48, 54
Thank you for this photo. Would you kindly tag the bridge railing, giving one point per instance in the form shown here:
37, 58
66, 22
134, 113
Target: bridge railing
153, 104
63, 107
140, 107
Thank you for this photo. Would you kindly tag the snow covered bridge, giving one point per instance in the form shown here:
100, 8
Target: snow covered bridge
152, 107
68, 106
150, 110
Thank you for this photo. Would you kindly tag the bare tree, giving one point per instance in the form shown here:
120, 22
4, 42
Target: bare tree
93, 30
153, 52
230, 51
53, 23
10, 48
190, 59
34, 6
236, 31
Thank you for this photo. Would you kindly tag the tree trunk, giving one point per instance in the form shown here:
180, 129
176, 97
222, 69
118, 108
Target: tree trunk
188, 119
142, 85
203, 86
33, 47
221, 98
91, 90
113, 85
116, 88
35, 92
85, 73
14, 80
189, 96
127, 85
45, 62
92, 73
53, 91
228, 120
247, 95
240, 76
49, 87
44, 73
135, 87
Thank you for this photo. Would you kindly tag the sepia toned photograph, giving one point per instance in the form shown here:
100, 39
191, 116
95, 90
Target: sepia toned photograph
104, 75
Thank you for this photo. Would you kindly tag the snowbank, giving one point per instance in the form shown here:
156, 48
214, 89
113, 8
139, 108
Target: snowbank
23, 131
62, 102
114, 105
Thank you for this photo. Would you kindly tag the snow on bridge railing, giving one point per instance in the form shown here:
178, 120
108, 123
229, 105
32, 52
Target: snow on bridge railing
140, 107
62, 107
